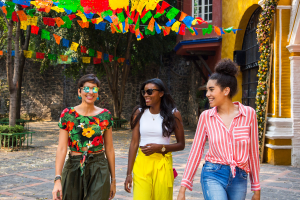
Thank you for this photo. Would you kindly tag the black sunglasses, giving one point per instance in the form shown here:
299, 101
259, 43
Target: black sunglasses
149, 91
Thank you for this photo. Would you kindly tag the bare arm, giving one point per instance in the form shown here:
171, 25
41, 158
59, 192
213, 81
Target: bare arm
134, 145
61, 153
110, 154
179, 134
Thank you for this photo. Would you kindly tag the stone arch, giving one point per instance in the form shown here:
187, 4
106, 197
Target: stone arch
243, 25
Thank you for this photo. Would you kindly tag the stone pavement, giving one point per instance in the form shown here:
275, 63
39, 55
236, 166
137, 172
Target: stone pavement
28, 173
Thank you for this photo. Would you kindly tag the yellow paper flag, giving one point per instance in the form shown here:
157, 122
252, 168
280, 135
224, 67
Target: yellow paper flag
151, 5
134, 4
175, 26
27, 54
115, 4
57, 9
141, 5
86, 59
82, 16
74, 46
32, 20
24, 25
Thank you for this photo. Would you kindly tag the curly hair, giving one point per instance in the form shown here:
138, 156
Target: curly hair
225, 74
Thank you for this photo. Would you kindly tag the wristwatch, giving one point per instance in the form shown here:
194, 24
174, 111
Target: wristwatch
58, 177
163, 149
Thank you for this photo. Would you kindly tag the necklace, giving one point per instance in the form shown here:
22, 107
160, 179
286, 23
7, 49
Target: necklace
154, 117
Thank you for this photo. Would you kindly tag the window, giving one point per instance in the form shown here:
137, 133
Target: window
203, 9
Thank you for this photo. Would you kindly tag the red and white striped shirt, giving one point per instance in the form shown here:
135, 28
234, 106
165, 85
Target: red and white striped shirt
237, 146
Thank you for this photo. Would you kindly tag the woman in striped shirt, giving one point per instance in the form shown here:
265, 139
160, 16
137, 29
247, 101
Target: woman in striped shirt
231, 129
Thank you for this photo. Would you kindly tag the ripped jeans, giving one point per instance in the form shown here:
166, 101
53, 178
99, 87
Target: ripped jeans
218, 184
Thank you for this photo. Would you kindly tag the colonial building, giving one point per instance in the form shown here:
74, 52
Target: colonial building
283, 132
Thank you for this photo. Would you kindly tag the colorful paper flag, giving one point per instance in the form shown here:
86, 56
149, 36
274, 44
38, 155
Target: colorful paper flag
65, 42
74, 46
39, 55
97, 60
91, 52
45, 34
101, 26
27, 54
172, 13
83, 49
64, 58
86, 59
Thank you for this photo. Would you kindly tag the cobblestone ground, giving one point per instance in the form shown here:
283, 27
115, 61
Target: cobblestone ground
28, 173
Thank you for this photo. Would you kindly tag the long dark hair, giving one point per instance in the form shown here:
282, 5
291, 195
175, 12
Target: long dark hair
166, 107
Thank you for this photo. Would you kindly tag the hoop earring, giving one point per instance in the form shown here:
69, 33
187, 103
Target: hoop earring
98, 98
79, 97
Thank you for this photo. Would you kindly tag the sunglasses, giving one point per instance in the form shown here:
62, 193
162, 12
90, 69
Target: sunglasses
87, 89
149, 91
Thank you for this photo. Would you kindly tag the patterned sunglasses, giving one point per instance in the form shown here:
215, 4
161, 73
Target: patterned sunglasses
86, 89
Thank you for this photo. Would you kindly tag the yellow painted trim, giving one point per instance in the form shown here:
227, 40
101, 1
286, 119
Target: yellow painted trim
278, 156
279, 141
295, 54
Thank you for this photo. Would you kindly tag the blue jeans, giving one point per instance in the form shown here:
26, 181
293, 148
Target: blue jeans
218, 184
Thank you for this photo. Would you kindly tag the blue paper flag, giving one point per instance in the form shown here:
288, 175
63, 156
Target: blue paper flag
74, 60
170, 23
105, 57
101, 26
235, 30
158, 31
22, 2
188, 21
123, 25
56, 3
89, 16
68, 11
65, 42
108, 19
13, 53
127, 62
1, 4
222, 32
196, 32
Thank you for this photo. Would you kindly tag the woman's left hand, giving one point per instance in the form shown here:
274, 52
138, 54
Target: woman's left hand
256, 195
151, 148
112, 189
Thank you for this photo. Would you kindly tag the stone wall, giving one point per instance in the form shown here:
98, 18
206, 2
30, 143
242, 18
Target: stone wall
47, 94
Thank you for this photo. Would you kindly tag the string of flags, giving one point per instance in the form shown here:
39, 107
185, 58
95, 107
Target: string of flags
117, 14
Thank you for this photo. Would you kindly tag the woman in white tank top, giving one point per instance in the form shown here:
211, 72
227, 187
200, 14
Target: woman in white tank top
152, 123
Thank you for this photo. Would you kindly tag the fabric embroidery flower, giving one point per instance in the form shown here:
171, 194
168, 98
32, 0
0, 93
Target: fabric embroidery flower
69, 125
89, 145
81, 125
88, 132
103, 124
64, 112
97, 140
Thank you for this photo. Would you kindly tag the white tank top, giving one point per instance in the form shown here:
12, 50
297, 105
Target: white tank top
151, 129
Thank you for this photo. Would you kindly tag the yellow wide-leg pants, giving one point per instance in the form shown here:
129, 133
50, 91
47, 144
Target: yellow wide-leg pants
153, 177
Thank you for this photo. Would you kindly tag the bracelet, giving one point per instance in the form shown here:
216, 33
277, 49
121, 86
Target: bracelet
129, 175
113, 179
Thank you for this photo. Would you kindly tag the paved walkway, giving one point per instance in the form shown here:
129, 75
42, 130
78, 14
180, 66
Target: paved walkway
28, 173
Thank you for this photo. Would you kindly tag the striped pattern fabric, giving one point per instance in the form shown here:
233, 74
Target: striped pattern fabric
237, 147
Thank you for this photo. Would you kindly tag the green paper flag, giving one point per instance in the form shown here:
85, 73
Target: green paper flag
52, 56
191, 30
204, 31
68, 22
73, 5
107, 13
30, 12
228, 30
148, 32
157, 15
10, 8
116, 58
45, 34
172, 13
91, 52
121, 17
137, 26
147, 16
209, 29
130, 21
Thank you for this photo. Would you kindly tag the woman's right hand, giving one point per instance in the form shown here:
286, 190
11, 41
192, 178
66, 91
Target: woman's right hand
57, 189
128, 184
181, 194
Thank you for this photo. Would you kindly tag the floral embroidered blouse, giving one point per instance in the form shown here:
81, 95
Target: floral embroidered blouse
85, 131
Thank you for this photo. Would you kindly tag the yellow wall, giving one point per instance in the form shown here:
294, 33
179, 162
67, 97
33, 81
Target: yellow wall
237, 13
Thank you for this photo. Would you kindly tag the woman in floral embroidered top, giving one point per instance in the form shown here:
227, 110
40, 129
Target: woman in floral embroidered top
86, 129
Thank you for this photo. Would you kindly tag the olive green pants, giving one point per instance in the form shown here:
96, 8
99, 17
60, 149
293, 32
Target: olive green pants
94, 184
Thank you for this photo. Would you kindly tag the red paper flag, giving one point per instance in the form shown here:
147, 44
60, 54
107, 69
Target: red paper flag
111, 57
42, 10
144, 12
182, 29
127, 11
34, 29
40, 55
132, 28
97, 60
15, 16
72, 16
163, 7
136, 17
119, 10
132, 15
83, 49
167, 31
